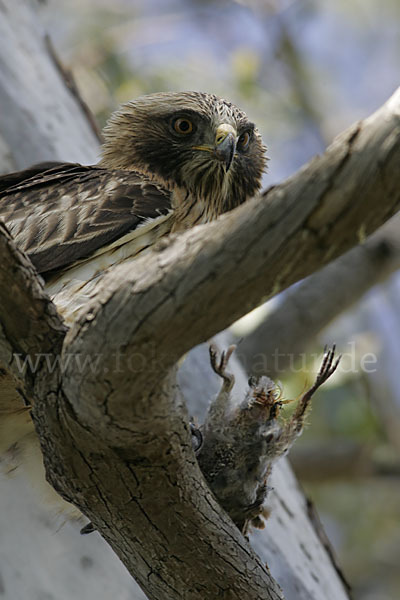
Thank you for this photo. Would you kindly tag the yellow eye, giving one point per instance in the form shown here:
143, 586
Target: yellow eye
244, 140
183, 126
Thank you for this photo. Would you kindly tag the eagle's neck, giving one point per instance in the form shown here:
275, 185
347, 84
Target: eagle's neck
190, 210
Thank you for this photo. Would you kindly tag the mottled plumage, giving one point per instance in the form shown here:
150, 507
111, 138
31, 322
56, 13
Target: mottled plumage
66, 213
189, 156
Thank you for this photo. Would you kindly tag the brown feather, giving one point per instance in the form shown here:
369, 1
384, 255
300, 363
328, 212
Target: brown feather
64, 214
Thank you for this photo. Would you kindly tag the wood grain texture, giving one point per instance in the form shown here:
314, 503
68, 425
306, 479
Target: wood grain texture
294, 324
30, 324
176, 297
207, 278
115, 438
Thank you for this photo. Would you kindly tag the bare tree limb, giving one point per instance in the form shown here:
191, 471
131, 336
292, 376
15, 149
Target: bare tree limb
159, 465
149, 501
129, 422
290, 328
115, 437
210, 276
319, 462
30, 324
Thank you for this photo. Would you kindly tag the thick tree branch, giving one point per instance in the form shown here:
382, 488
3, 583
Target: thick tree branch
178, 297
149, 500
30, 324
115, 434
304, 311
173, 299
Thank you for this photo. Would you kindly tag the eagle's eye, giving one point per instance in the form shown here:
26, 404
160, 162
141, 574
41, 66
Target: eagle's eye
244, 140
182, 125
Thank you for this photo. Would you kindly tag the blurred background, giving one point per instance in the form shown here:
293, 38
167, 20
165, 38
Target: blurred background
303, 71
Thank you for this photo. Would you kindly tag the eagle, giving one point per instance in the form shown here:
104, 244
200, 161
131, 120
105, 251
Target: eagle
169, 161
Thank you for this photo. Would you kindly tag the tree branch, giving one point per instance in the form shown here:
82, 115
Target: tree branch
304, 311
30, 324
149, 500
115, 434
158, 454
128, 421
178, 297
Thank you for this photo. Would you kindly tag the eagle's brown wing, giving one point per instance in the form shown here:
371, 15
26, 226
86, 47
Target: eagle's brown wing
64, 213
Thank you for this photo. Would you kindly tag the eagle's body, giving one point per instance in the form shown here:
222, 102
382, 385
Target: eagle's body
76, 221
169, 161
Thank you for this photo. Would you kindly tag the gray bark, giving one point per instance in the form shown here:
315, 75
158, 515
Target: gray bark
116, 440
32, 87
304, 311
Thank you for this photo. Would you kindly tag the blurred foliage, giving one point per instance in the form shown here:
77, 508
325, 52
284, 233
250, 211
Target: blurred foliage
303, 70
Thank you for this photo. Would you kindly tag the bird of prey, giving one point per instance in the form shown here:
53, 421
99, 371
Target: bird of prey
169, 161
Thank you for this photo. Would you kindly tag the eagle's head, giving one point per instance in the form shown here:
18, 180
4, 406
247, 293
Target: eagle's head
190, 141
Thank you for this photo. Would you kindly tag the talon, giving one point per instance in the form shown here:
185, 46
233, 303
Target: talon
197, 437
89, 528
230, 351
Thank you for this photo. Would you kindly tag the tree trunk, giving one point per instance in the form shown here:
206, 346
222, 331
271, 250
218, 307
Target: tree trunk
115, 438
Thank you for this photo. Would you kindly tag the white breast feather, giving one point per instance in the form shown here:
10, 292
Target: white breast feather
72, 289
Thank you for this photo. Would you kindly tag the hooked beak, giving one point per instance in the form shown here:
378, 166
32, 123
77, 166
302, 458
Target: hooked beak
224, 147
225, 144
